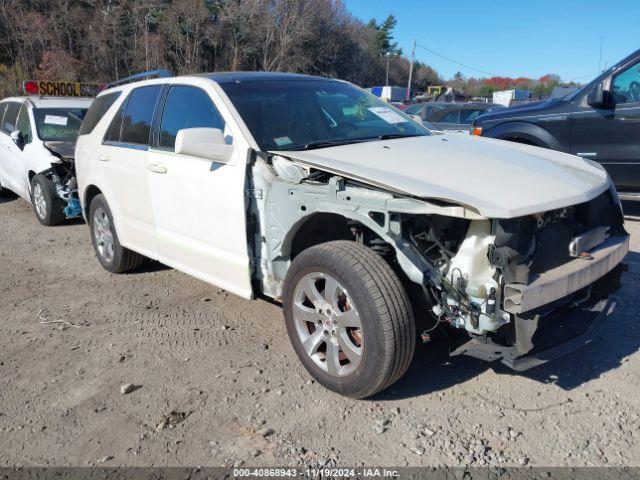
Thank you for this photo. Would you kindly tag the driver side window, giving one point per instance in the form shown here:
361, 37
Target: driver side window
24, 124
626, 86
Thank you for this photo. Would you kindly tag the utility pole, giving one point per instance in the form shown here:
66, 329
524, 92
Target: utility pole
388, 61
413, 59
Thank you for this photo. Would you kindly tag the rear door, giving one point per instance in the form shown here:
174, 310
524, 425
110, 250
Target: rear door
4, 149
199, 205
11, 153
611, 136
123, 163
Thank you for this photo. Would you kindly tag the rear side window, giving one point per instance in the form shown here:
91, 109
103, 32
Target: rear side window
97, 110
187, 107
132, 124
10, 118
3, 107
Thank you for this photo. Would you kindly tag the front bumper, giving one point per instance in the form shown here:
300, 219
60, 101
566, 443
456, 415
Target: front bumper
513, 359
542, 336
566, 279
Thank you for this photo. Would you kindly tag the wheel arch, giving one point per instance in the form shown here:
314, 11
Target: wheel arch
323, 227
89, 194
524, 132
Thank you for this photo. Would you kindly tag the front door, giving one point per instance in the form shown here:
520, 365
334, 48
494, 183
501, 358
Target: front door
611, 135
198, 205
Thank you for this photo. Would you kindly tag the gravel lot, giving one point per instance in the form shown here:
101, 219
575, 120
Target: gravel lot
215, 381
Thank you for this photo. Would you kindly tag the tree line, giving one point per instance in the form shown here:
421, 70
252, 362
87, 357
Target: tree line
104, 40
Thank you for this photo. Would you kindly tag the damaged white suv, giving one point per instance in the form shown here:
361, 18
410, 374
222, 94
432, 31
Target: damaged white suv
369, 228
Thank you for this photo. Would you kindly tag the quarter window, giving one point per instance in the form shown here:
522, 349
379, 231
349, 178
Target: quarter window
187, 107
97, 110
10, 117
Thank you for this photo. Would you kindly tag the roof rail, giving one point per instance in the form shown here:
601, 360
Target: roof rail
141, 76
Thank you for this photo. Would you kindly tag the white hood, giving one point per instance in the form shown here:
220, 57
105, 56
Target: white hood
499, 179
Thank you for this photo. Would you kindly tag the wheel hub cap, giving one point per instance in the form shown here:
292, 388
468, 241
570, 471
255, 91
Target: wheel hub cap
102, 235
328, 324
39, 201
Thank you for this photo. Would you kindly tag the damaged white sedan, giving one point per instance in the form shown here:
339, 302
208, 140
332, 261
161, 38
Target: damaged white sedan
370, 229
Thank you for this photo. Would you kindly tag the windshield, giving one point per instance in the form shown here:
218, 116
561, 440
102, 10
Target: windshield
295, 114
58, 124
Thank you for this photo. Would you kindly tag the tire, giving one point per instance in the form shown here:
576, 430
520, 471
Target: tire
3, 191
46, 204
367, 293
111, 254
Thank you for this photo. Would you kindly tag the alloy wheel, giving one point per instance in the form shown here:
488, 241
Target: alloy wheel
328, 324
103, 235
39, 201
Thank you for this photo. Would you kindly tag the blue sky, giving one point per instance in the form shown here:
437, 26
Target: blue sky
513, 39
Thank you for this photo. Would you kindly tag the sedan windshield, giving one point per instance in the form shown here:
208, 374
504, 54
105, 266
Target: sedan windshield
58, 124
307, 114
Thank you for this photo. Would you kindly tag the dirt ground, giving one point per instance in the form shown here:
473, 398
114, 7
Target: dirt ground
216, 381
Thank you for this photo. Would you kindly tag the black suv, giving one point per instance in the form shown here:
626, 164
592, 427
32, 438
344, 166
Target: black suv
601, 122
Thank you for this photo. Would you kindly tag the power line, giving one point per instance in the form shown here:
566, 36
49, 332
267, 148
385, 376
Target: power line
456, 62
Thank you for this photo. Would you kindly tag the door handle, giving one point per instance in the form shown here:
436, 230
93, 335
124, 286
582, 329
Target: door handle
157, 168
103, 158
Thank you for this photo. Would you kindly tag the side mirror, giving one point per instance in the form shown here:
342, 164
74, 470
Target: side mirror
598, 97
18, 139
206, 143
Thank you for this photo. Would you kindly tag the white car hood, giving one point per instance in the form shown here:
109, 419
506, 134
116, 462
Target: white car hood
497, 178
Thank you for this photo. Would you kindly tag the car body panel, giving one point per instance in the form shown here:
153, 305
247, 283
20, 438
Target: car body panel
499, 179
171, 207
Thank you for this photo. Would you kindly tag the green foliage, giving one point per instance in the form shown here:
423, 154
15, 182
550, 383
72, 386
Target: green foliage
384, 36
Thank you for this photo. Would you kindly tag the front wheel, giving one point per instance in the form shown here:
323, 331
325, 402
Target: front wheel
349, 318
111, 254
46, 202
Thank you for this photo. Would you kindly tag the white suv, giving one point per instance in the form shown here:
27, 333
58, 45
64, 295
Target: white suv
368, 227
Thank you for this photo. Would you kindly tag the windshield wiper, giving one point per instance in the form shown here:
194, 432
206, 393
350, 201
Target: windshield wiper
329, 143
336, 143
391, 136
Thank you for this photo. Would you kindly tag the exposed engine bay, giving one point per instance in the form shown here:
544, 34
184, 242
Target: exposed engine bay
62, 174
480, 260
497, 280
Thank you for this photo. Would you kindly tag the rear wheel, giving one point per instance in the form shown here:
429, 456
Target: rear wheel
112, 256
46, 203
349, 318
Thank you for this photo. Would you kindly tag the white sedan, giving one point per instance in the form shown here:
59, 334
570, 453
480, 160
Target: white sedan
37, 138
